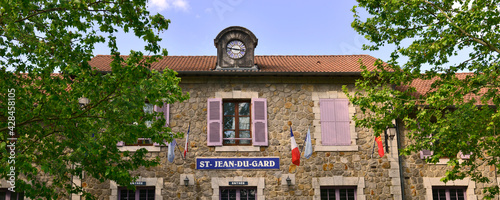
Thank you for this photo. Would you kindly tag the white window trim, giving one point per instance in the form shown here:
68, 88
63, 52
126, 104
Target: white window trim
237, 148
218, 182
156, 182
430, 182
77, 181
316, 96
135, 148
237, 95
359, 182
444, 161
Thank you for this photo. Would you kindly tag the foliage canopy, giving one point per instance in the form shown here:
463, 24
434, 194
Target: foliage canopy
56, 137
459, 112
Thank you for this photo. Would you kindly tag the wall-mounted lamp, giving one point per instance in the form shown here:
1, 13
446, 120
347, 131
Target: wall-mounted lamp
391, 131
186, 181
288, 181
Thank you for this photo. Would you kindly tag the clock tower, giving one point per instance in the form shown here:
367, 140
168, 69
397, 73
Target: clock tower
235, 49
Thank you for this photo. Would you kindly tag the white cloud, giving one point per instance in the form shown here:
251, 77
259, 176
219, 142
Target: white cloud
160, 5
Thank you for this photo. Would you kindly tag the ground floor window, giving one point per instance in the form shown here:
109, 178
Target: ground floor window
8, 195
141, 193
338, 193
447, 193
249, 193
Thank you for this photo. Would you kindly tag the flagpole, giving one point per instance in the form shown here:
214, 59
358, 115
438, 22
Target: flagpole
186, 147
303, 146
176, 144
373, 149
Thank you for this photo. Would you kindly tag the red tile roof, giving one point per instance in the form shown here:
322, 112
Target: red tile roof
266, 64
424, 86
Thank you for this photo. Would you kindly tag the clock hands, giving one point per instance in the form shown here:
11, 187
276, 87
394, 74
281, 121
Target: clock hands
236, 49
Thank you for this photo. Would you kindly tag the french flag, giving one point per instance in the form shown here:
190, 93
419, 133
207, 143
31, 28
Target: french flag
295, 149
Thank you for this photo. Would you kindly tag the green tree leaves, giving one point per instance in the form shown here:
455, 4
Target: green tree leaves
440, 104
58, 138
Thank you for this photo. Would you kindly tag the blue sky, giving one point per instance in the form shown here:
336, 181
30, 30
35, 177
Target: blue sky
291, 27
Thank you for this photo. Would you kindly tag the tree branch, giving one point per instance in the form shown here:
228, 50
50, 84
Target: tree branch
480, 41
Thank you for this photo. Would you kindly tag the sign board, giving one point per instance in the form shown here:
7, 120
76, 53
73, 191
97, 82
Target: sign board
238, 182
238, 163
138, 183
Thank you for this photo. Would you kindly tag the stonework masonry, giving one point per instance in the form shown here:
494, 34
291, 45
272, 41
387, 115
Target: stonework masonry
292, 99
288, 99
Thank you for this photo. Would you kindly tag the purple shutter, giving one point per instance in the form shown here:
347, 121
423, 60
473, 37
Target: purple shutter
327, 121
425, 153
464, 156
214, 122
166, 113
342, 128
334, 119
259, 122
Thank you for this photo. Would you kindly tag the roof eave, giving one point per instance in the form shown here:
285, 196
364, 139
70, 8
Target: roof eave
250, 73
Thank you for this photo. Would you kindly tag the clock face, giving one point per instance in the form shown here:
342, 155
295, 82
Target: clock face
235, 49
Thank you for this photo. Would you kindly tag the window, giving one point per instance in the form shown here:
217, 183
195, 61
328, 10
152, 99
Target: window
447, 193
241, 122
335, 122
150, 108
8, 195
238, 193
236, 123
338, 193
141, 193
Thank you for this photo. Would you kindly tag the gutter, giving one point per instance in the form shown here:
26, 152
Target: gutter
257, 73
254, 73
401, 175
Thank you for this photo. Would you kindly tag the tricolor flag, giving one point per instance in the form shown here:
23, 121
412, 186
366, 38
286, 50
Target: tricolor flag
187, 138
295, 149
309, 149
171, 150
380, 146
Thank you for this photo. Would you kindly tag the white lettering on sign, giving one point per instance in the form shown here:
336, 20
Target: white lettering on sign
238, 163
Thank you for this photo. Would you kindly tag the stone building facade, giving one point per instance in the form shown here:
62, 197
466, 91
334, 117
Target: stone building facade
276, 90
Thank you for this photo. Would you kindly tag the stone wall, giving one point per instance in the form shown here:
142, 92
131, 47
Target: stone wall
288, 99
420, 176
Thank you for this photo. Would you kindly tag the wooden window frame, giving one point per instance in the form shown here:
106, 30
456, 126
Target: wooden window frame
137, 191
447, 192
236, 122
10, 195
140, 142
238, 191
337, 191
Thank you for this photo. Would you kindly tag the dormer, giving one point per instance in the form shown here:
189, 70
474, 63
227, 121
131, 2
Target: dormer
235, 49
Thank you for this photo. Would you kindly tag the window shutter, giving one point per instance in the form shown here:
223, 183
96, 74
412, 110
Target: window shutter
166, 113
259, 122
334, 119
214, 122
425, 153
464, 156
